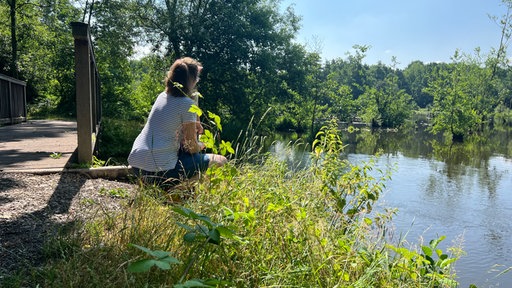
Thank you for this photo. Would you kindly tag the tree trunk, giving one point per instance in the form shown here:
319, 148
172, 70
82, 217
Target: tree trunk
14, 42
174, 40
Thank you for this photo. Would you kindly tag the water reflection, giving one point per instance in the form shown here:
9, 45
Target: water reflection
458, 190
292, 150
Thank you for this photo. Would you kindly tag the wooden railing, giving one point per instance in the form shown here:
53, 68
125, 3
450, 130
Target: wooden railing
88, 97
13, 100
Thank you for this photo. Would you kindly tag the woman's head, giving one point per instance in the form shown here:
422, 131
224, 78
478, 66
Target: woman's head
184, 71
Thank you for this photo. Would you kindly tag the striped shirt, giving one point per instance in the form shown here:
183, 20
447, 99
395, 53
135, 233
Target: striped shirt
156, 147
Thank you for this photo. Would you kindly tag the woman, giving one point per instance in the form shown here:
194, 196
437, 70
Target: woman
167, 150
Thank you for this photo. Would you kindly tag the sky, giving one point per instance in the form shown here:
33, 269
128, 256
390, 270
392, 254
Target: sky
425, 30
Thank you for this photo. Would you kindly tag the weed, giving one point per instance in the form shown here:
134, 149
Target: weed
114, 192
56, 155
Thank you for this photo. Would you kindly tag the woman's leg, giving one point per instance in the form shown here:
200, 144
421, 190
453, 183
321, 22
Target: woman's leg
166, 178
217, 160
191, 164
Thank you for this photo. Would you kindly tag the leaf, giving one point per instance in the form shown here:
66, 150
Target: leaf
182, 211
430, 260
225, 147
190, 237
435, 242
202, 230
141, 266
170, 260
192, 283
162, 265
205, 219
447, 262
160, 254
141, 248
155, 253
225, 232
346, 277
216, 119
186, 227
214, 236
196, 110
427, 250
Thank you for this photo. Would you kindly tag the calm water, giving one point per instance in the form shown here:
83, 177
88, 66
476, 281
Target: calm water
463, 192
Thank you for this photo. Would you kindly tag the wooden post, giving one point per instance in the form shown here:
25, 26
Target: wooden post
84, 114
93, 97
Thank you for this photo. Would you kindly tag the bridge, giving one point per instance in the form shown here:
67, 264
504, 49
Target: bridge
47, 146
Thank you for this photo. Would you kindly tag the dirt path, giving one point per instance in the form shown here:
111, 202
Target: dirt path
35, 207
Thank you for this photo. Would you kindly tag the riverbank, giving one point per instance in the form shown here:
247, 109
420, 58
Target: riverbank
252, 225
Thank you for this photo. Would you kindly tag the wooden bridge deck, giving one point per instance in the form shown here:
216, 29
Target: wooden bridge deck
29, 146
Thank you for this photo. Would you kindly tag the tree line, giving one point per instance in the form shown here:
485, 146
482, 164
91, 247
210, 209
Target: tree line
254, 68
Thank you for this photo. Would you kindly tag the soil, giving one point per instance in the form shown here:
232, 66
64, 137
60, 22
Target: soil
35, 208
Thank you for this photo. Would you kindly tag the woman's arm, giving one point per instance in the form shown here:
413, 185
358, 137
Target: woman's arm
189, 140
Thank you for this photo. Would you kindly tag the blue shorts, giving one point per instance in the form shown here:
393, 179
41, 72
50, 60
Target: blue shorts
188, 165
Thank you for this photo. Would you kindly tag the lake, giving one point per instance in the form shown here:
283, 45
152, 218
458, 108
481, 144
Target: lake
462, 191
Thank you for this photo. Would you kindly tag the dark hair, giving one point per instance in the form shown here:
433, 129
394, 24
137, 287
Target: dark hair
184, 71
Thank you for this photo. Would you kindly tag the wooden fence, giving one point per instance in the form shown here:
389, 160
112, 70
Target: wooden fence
13, 100
88, 97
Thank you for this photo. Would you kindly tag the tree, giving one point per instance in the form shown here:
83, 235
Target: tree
386, 105
5, 49
454, 110
416, 75
40, 48
242, 44
341, 103
114, 41
505, 22
352, 71
14, 41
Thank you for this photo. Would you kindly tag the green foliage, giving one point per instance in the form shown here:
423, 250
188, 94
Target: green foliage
148, 77
432, 264
116, 138
385, 104
342, 180
114, 43
161, 259
456, 94
341, 101
502, 116
56, 155
241, 54
115, 192
210, 139
44, 54
211, 233
416, 76
204, 232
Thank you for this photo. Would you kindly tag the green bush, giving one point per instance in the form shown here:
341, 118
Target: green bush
116, 138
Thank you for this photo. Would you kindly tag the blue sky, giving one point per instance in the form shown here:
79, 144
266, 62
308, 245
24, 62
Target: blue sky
425, 30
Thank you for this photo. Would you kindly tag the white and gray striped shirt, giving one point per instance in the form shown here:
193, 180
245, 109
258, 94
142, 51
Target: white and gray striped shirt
156, 147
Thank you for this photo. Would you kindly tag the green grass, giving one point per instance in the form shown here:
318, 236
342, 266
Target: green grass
250, 225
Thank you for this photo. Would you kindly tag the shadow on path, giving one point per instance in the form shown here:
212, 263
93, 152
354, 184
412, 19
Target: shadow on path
22, 239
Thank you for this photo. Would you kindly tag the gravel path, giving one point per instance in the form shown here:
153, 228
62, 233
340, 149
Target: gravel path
35, 207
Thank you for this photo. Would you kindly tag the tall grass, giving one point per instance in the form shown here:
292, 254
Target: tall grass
256, 224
